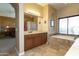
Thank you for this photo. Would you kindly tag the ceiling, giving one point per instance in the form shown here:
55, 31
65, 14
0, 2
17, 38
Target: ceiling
58, 6
54, 5
42, 4
6, 9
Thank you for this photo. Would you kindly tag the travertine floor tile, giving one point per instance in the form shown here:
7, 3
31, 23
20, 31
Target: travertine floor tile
59, 48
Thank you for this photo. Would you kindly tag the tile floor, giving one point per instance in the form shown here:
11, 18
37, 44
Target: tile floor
7, 47
67, 37
54, 47
59, 48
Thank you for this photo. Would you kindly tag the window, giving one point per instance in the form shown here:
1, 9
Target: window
69, 25
63, 26
73, 27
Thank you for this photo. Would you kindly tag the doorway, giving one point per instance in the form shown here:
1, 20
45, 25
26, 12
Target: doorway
7, 29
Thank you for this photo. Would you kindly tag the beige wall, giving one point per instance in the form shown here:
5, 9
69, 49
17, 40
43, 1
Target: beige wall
47, 12
36, 8
71, 9
7, 21
52, 16
45, 18
50, 13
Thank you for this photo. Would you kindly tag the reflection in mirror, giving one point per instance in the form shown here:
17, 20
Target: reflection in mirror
51, 23
30, 22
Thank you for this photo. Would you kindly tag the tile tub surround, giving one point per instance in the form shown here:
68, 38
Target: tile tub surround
67, 37
55, 47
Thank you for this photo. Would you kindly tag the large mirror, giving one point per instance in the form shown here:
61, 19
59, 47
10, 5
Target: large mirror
30, 22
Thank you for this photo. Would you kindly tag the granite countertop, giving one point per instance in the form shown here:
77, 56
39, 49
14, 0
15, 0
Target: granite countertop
74, 50
34, 32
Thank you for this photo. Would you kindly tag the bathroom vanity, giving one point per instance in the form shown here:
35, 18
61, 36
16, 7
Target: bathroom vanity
32, 36
32, 40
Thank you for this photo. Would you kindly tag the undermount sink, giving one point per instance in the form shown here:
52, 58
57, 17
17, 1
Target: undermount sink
30, 31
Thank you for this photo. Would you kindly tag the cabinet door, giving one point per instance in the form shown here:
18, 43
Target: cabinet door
43, 38
37, 40
28, 42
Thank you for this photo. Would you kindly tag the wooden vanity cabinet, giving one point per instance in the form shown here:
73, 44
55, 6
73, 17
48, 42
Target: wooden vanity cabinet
37, 40
44, 37
28, 42
34, 40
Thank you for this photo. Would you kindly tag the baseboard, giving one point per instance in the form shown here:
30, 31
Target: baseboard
19, 54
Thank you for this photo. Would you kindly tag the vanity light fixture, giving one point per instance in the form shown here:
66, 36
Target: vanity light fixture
39, 22
45, 22
32, 12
